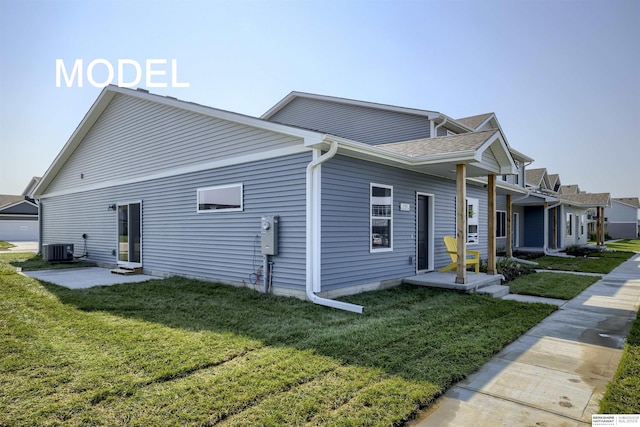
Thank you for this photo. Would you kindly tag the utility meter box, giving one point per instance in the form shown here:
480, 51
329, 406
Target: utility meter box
269, 241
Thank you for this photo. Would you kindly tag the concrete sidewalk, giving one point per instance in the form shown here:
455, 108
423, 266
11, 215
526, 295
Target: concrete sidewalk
556, 373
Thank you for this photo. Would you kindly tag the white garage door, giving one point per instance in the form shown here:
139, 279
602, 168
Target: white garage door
18, 230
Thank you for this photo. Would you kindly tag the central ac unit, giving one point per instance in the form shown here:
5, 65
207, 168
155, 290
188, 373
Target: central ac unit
57, 252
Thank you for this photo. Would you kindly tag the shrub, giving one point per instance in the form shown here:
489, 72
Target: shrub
509, 268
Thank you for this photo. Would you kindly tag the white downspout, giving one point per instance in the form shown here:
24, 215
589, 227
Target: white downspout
313, 245
435, 129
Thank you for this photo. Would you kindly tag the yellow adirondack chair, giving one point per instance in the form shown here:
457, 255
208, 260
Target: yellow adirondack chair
452, 249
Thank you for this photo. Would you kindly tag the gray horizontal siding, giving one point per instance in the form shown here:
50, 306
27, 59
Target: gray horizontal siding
364, 124
177, 240
135, 137
346, 256
622, 230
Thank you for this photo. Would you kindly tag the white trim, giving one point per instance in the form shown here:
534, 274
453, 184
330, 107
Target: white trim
128, 263
19, 202
430, 234
220, 187
390, 248
198, 167
505, 224
515, 229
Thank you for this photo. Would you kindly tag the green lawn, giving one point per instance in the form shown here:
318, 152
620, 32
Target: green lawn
630, 245
29, 262
184, 352
623, 392
552, 285
5, 245
600, 262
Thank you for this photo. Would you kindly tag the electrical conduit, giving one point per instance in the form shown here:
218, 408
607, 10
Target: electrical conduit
313, 233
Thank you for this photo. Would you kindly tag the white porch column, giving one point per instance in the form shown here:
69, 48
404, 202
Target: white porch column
461, 231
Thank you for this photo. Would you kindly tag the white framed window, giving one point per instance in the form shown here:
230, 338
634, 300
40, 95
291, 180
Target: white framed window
501, 224
222, 198
473, 220
569, 219
381, 215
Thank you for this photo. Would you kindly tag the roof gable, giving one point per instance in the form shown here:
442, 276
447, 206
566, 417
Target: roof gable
293, 95
110, 92
631, 201
537, 178
476, 122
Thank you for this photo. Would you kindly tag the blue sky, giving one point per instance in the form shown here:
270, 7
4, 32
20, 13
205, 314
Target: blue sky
563, 77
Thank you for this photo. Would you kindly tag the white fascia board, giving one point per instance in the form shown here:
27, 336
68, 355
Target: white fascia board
488, 119
374, 151
504, 153
18, 203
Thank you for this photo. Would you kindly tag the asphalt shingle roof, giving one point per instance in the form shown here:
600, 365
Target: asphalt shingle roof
474, 121
632, 201
587, 199
569, 189
6, 200
441, 145
534, 176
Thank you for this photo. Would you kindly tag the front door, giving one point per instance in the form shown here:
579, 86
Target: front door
425, 232
130, 234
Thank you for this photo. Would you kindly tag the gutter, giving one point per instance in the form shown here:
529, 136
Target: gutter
435, 129
313, 233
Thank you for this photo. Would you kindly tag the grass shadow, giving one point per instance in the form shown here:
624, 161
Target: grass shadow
419, 333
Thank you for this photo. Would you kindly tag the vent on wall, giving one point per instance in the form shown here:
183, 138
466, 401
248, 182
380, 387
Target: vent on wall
57, 252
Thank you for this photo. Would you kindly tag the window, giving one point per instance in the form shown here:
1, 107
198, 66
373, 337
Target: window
569, 224
224, 198
501, 224
473, 220
473, 216
381, 201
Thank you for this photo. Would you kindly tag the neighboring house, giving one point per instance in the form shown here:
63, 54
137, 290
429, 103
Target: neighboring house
363, 192
19, 216
556, 215
621, 219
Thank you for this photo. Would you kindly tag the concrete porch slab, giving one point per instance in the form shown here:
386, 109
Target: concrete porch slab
448, 281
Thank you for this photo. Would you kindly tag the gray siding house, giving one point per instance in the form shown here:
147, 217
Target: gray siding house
621, 218
361, 192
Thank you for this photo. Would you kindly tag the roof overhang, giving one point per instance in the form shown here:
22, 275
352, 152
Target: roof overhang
536, 199
442, 164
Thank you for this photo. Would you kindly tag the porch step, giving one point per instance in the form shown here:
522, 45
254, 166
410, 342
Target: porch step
495, 291
127, 271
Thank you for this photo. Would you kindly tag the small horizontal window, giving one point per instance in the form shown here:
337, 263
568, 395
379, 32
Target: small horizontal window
223, 198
